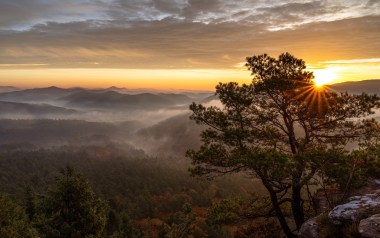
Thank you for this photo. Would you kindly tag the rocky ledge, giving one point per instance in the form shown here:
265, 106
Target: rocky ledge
363, 210
358, 208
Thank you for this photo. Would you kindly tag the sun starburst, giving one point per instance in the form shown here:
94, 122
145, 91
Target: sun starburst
314, 97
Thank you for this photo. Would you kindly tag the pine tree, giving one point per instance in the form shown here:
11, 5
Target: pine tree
281, 128
72, 209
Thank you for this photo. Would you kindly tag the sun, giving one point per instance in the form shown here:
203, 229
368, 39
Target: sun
324, 76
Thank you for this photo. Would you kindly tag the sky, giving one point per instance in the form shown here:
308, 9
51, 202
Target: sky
178, 44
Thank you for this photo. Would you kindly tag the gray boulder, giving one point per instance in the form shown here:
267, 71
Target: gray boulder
358, 208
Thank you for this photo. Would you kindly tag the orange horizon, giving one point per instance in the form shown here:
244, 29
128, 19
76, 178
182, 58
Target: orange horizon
172, 79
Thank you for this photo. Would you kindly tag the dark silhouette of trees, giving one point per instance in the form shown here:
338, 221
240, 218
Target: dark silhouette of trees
13, 220
280, 128
71, 208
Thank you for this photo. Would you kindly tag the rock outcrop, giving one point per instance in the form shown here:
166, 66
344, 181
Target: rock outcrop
363, 210
358, 208
370, 227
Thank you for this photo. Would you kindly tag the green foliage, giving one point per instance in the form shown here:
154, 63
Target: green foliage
136, 187
345, 170
180, 224
225, 211
13, 220
120, 225
284, 131
31, 203
369, 156
237, 211
72, 209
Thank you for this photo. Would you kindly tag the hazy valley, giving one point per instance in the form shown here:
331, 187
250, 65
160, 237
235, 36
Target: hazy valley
149, 120
130, 144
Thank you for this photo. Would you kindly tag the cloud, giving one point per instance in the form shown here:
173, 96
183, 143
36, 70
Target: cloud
167, 43
22, 65
295, 14
196, 9
373, 3
171, 43
297, 10
21, 14
15, 14
352, 61
174, 7
183, 33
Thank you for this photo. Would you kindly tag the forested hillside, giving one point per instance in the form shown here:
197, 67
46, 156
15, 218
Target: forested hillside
127, 150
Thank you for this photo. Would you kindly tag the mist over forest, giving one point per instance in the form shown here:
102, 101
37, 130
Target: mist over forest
131, 146
150, 120
189, 119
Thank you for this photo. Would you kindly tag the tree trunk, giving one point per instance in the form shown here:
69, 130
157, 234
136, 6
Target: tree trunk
297, 207
279, 213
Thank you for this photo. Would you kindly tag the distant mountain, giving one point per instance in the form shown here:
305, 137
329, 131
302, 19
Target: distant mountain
111, 100
38, 94
46, 132
191, 93
114, 88
6, 89
21, 110
357, 87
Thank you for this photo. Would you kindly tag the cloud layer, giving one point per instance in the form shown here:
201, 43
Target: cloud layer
174, 34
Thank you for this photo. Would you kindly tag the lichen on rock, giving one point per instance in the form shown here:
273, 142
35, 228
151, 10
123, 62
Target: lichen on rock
358, 208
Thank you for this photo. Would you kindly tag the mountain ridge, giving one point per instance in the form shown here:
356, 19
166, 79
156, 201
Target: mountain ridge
35, 110
357, 87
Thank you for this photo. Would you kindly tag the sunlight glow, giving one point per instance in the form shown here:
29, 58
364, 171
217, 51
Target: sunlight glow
315, 98
325, 76
200, 79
